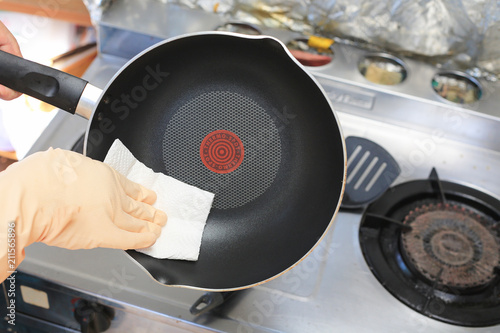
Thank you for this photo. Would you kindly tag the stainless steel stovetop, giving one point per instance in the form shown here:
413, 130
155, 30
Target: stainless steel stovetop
333, 289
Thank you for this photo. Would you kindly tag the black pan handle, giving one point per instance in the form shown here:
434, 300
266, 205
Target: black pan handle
47, 84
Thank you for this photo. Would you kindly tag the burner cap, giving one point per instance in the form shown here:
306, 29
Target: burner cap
451, 245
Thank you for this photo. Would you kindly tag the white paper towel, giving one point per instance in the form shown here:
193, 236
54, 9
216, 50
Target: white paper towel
187, 207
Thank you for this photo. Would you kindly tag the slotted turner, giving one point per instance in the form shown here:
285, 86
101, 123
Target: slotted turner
370, 172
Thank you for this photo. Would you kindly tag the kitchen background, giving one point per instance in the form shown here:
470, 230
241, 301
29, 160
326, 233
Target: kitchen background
417, 78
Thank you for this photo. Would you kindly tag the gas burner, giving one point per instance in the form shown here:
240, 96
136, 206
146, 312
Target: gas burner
435, 246
451, 245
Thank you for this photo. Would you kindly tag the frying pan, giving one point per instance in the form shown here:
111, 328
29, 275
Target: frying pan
232, 114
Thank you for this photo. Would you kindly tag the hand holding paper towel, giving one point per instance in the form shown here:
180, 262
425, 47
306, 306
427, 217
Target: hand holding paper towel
187, 207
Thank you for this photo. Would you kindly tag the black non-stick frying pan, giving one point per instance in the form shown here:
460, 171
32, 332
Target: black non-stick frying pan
235, 115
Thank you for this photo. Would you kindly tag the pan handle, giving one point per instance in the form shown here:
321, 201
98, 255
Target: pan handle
209, 301
47, 84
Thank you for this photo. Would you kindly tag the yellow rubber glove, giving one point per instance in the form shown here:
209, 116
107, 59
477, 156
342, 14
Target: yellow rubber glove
65, 199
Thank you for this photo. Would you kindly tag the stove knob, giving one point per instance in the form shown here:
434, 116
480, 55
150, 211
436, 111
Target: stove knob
93, 317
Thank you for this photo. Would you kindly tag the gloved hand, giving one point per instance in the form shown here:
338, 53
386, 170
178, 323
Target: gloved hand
65, 199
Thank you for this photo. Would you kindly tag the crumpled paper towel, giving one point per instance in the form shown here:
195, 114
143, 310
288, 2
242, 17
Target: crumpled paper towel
187, 207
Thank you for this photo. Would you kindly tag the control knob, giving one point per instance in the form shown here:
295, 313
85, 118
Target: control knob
93, 317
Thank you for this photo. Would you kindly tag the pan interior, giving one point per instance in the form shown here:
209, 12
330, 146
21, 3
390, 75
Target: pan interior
272, 209
223, 110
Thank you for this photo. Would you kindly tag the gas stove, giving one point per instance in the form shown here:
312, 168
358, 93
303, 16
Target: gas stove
434, 245
336, 286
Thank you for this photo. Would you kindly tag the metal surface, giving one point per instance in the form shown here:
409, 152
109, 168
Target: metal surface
333, 289
88, 101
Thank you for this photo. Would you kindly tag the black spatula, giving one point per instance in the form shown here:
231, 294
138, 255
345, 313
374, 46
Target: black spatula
370, 172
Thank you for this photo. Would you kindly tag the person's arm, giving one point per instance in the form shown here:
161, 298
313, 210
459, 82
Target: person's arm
8, 43
65, 199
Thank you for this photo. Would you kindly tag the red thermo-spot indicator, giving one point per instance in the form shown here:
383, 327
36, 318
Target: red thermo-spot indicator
222, 151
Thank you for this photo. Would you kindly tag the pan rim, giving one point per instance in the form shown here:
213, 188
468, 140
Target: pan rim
309, 75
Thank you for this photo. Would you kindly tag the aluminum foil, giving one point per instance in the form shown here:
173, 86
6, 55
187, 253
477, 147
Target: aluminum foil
459, 34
